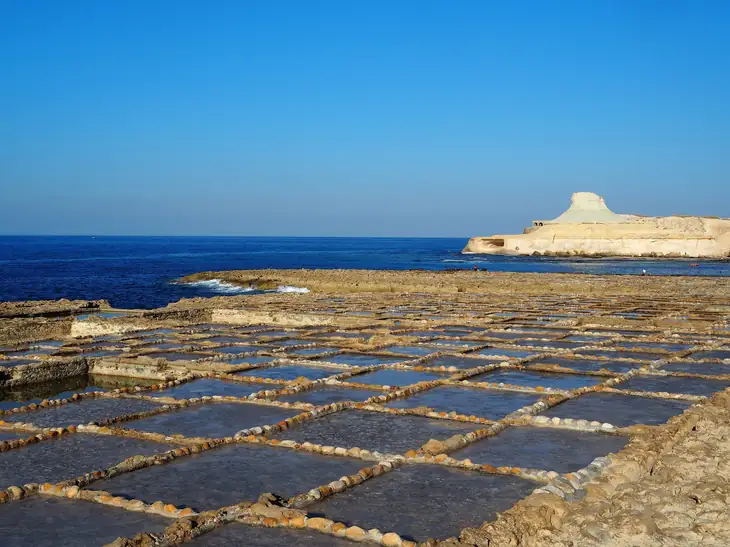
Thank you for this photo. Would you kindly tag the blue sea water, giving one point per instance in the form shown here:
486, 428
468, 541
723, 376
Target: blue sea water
140, 272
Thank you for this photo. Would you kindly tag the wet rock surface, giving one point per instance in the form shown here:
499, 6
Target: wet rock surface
45, 522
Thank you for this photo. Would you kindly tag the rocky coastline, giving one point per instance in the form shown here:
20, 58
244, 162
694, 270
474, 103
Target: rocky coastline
395, 374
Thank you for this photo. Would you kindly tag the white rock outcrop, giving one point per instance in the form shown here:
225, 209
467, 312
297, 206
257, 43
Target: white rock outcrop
590, 228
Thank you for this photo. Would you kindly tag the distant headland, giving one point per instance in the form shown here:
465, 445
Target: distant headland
590, 228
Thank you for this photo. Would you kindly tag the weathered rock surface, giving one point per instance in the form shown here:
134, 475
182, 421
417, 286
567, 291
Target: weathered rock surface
589, 228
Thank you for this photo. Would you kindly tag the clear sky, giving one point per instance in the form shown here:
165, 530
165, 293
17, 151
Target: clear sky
357, 117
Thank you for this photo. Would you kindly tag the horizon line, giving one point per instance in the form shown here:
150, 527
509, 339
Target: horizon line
236, 236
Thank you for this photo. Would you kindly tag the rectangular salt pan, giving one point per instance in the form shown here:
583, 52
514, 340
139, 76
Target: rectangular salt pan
35, 393
669, 384
557, 450
312, 351
535, 379
374, 431
586, 365
86, 411
421, 502
619, 410
414, 351
43, 521
211, 420
711, 369
230, 474
291, 372
490, 404
328, 395
68, 457
361, 359
395, 377
458, 362
209, 387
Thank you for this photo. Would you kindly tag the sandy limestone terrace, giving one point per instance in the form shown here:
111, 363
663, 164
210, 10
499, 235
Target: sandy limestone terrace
458, 409
590, 228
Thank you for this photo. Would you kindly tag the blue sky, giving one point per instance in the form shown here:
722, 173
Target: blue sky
357, 117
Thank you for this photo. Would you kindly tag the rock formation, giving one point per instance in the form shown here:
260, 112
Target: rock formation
590, 228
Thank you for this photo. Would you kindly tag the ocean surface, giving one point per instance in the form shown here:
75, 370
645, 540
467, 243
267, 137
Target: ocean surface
141, 272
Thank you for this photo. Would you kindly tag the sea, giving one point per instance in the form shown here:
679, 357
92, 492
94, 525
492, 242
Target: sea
143, 272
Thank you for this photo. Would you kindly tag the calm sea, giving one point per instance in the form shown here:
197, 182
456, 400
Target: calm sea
140, 272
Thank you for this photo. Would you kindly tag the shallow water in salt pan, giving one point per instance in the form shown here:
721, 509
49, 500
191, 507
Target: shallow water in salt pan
374, 431
618, 354
713, 369
669, 384
425, 501
587, 365
89, 410
557, 450
306, 352
361, 359
619, 410
41, 521
327, 395
392, 377
290, 372
35, 393
458, 362
209, 387
490, 404
504, 352
535, 379
211, 420
68, 457
230, 474
414, 351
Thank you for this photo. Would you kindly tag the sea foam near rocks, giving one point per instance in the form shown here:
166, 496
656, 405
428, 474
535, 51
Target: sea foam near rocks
220, 286
288, 288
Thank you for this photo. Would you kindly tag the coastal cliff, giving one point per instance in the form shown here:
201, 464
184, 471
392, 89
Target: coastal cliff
590, 228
